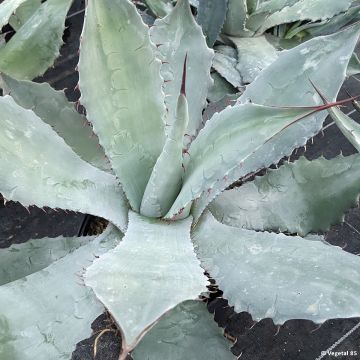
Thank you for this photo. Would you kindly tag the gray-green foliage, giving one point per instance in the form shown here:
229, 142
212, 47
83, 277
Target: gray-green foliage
259, 30
290, 276
37, 39
211, 16
170, 162
297, 197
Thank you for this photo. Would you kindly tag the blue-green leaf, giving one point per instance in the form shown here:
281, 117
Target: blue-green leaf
38, 41
211, 16
39, 168
43, 315
178, 35
152, 270
54, 109
186, 332
127, 110
280, 277
298, 197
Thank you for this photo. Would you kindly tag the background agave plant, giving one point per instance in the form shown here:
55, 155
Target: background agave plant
149, 278
248, 36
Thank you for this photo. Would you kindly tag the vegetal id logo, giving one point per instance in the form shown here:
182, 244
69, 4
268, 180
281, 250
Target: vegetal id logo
340, 353
344, 353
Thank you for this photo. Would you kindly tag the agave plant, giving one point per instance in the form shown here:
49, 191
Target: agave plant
155, 170
260, 30
248, 35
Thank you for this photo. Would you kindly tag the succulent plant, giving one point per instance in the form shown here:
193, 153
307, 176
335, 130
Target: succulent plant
160, 173
249, 35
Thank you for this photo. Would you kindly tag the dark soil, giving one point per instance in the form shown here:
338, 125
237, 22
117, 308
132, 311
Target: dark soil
296, 339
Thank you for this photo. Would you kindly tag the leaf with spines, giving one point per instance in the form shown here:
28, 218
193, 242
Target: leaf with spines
236, 17
211, 16
349, 127
215, 152
127, 112
324, 27
50, 310
283, 83
20, 260
334, 24
300, 197
225, 65
39, 168
23, 13
38, 41
254, 55
187, 332
220, 105
277, 276
215, 158
220, 88
53, 108
178, 34
354, 66
305, 10
151, 271
159, 8
7, 8
166, 179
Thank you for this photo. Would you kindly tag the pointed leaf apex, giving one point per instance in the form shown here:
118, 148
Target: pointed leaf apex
328, 104
183, 83
324, 99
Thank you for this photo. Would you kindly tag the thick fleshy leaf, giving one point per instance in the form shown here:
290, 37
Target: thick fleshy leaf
215, 154
305, 10
39, 168
252, 5
337, 22
127, 110
325, 27
7, 8
54, 109
38, 41
220, 88
23, 13
349, 127
254, 55
220, 105
269, 7
43, 315
179, 35
316, 59
152, 270
211, 16
225, 65
20, 260
236, 18
320, 192
159, 8
285, 83
354, 66
166, 179
290, 73
280, 277
186, 332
